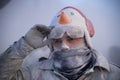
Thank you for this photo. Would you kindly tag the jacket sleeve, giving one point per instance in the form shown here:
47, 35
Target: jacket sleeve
12, 58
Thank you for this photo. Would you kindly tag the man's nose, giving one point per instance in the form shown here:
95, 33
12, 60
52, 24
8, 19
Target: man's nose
64, 46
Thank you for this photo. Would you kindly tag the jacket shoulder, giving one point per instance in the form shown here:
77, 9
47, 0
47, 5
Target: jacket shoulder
114, 72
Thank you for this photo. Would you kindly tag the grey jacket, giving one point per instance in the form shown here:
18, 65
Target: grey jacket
12, 66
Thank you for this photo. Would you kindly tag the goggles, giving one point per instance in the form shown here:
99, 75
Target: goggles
72, 31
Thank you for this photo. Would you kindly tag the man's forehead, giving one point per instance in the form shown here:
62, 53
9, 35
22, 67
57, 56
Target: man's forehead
65, 35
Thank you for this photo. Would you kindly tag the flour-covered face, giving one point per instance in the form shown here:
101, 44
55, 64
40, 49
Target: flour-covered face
66, 42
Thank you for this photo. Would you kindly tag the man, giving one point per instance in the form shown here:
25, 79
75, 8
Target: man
72, 56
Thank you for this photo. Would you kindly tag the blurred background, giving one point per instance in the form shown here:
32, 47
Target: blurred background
18, 16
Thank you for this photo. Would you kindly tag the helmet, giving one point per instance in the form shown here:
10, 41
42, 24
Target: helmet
74, 23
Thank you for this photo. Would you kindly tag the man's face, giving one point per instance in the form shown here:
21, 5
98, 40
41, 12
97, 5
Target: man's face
67, 43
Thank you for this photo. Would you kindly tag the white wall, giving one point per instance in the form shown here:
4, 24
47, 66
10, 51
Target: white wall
20, 15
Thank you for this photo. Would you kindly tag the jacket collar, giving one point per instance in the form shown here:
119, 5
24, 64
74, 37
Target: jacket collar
102, 62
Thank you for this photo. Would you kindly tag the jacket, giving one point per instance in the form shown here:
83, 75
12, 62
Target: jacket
13, 66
